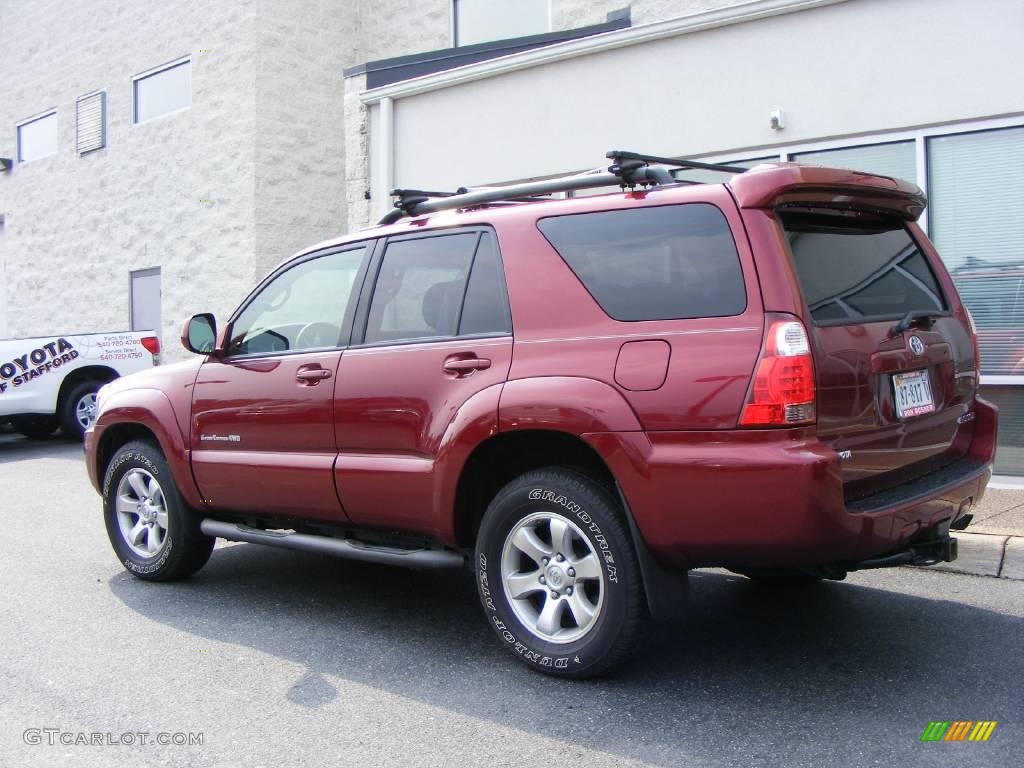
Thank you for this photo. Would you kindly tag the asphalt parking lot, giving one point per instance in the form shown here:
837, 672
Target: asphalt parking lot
281, 658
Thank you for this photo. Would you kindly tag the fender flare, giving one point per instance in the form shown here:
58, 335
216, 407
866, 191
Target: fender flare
150, 408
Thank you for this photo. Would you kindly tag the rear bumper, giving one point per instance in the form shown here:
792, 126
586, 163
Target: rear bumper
775, 497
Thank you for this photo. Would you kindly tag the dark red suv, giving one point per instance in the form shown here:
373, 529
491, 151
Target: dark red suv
582, 398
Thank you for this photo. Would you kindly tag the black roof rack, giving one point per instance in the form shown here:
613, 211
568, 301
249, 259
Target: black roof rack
628, 169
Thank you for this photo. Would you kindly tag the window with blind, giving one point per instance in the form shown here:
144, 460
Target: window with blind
896, 159
976, 194
91, 122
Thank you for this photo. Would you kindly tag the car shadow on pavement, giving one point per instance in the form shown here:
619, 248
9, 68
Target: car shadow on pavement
774, 669
15, 448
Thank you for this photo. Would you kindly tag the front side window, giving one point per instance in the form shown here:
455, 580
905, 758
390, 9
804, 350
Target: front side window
163, 91
856, 267
420, 288
661, 263
301, 309
37, 138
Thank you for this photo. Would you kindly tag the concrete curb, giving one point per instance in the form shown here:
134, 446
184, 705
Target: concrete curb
986, 554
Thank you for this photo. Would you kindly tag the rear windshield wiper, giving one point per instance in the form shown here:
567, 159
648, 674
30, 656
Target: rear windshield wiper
913, 317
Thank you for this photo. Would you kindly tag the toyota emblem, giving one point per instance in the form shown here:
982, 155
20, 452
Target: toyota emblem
916, 345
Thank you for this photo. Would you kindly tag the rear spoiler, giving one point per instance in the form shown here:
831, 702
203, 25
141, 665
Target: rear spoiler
770, 186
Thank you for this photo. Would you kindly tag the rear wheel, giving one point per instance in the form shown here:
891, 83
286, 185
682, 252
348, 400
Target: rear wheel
154, 533
78, 410
558, 576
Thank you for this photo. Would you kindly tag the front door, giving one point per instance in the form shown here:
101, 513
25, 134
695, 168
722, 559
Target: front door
263, 411
437, 334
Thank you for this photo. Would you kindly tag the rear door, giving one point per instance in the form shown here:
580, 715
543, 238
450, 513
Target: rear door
894, 390
436, 332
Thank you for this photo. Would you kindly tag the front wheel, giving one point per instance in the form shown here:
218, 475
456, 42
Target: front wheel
155, 535
558, 576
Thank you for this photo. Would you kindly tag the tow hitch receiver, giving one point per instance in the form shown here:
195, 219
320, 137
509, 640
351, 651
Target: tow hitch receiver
939, 550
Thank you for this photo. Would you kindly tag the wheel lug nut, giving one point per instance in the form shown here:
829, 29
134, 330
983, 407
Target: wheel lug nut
543, 580
554, 595
545, 560
559, 557
572, 572
568, 591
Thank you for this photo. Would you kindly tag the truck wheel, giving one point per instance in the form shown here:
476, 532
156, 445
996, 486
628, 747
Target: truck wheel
155, 535
557, 574
35, 427
78, 409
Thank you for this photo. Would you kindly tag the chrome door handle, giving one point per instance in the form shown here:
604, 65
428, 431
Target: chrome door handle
312, 375
466, 365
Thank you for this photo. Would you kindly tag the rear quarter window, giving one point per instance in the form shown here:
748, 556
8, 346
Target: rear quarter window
661, 263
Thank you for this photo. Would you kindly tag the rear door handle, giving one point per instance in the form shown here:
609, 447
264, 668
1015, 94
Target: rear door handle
466, 365
311, 375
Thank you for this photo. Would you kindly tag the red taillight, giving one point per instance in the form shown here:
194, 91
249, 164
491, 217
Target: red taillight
974, 340
151, 343
782, 392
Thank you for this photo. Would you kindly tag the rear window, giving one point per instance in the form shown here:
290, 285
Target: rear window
855, 267
664, 263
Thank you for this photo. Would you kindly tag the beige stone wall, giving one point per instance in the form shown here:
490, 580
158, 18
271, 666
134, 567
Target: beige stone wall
272, 155
75, 227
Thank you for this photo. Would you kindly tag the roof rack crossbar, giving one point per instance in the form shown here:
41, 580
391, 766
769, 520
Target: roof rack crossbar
619, 156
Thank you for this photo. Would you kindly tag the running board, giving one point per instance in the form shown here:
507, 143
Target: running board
423, 559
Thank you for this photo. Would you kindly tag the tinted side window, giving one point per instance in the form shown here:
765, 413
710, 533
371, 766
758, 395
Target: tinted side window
853, 267
486, 307
420, 288
302, 308
666, 263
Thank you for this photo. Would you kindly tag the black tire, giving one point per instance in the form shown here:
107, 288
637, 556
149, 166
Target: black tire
35, 427
595, 515
184, 548
69, 422
781, 578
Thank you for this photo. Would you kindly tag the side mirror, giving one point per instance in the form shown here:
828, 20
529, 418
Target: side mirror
200, 334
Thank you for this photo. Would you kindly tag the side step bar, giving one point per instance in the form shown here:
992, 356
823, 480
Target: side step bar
423, 559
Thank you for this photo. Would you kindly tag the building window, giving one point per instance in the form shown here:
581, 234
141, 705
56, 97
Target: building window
896, 159
37, 137
91, 122
162, 91
145, 300
480, 21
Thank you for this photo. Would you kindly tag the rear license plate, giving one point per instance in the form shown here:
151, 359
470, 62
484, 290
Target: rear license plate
912, 394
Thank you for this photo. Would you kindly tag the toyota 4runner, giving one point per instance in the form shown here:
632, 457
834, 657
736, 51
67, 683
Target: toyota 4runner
582, 398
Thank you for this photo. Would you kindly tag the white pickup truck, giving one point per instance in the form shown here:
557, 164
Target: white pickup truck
51, 381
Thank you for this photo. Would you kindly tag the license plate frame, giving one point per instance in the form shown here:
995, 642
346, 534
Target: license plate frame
912, 394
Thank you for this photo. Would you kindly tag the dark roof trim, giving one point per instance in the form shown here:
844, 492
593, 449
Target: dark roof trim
388, 71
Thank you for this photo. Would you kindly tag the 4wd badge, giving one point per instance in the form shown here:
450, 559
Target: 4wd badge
916, 345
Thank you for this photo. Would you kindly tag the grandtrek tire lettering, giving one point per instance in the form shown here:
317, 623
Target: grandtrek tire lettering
580, 643
576, 509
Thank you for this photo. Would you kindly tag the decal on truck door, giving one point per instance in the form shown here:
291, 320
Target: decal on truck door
37, 362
